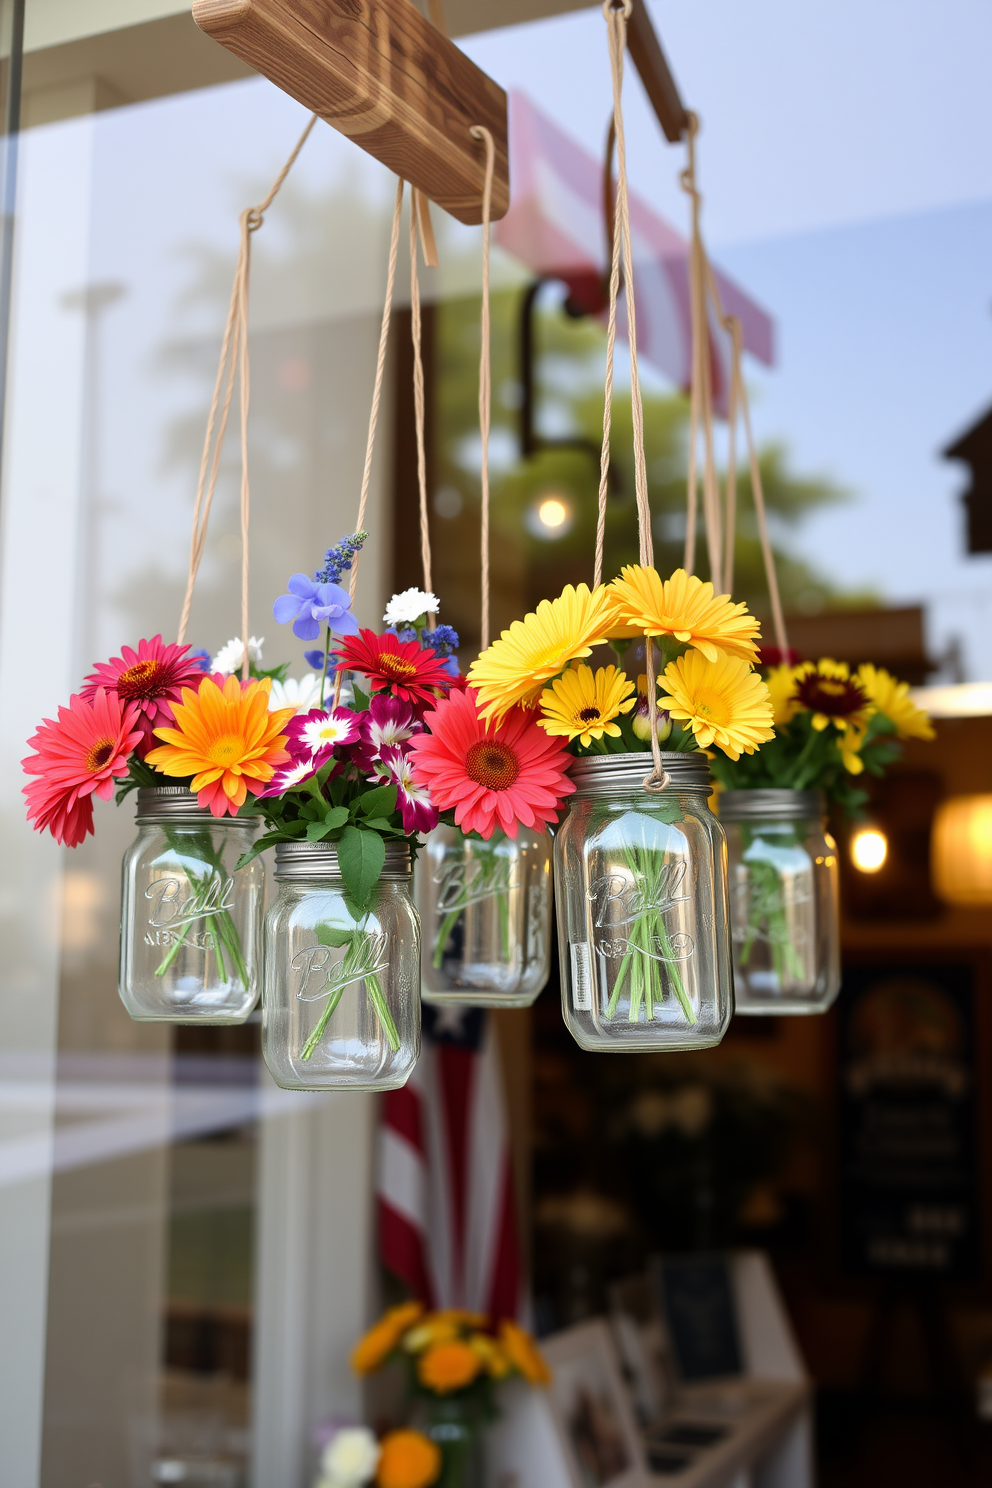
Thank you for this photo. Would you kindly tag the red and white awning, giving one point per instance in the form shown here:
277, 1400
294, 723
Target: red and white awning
555, 226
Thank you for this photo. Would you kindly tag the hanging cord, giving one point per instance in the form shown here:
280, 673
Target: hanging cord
617, 13
701, 390
380, 367
418, 410
480, 132
233, 362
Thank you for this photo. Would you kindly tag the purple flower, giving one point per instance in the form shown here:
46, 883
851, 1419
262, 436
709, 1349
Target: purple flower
318, 733
413, 801
293, 774
314, 659
388, 724
202, 659
310, 605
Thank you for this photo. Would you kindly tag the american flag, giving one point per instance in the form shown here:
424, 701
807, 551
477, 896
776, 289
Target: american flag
447, 1215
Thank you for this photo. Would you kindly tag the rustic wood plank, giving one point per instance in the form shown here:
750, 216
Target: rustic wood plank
380, 72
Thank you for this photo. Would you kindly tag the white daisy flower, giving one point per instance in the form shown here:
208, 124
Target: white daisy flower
340, 727
351, 1458
405, 608
230, 657
301, 695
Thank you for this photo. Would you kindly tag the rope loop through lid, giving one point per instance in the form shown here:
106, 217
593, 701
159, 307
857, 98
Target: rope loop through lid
480, 132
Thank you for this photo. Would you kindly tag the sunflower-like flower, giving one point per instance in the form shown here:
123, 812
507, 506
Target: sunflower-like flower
228, 741
448, 1366
684, 608
496, 1361
890, 696
583, 704
515, 668
826, 688
781, 684
724, 702
849, 744
374, 1347
523, 1353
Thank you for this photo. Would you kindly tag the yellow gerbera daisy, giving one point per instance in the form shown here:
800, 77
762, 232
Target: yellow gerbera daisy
374, 1346
781, 683
582, 704
849, 744
523, 1353
685, 608
724, 702
827, 689
515, 668
228, 741
891, 697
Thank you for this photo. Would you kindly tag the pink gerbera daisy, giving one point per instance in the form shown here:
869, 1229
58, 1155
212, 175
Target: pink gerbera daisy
151, 677
494, 775
77, 758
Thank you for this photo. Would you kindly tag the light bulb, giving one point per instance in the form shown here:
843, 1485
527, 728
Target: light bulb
869, 849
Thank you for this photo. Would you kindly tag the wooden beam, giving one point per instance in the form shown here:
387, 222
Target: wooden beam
649, 59
382, 74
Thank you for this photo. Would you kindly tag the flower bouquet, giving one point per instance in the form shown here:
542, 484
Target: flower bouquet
453, 1361
639, 859
831, 726
402, 1459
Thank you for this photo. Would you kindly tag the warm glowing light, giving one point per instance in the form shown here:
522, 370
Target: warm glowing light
552, 512
869, 849
961, 850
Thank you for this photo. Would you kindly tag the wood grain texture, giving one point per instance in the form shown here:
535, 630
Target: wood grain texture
379, 72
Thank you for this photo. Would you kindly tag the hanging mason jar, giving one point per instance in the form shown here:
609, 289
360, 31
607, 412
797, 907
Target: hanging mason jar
641, 884
784, 901
485, 914
191, 921
341, 1008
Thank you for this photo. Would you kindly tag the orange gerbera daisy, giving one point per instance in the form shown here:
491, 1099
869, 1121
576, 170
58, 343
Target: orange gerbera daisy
448, 1366
228, 741
408, 1460
523, 1353
371, 1349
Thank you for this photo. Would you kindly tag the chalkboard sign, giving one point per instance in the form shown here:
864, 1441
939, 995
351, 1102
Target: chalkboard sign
697, 1297
910, 1201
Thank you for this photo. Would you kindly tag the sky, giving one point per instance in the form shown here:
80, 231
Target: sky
846, 167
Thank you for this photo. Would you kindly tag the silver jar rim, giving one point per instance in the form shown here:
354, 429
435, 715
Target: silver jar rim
295, 860
593, 773
158, 802
771, 805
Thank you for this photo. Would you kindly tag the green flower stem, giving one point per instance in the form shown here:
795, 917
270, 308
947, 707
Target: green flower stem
448, 924
648, 932
488, 860
219, 922
317, 1032
327, 657
349, 965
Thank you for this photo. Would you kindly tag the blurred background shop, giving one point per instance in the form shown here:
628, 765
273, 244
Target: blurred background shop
187, 1253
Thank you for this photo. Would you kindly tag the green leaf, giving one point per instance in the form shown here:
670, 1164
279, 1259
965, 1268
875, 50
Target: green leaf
362, 699
336, 817
379, 802
333, 935
317, 831
361, 855
379, 824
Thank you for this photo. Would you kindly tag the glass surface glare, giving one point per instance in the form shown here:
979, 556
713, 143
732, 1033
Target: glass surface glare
784, 901
485, 910
641, 883
341, 1008
190, 919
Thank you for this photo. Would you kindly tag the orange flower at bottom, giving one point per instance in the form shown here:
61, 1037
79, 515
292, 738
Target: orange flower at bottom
228, 741
523, 1353
408, 1460
373, 1347
448, 1366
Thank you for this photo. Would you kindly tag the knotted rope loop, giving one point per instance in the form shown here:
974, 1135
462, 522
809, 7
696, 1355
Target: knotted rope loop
233, 363
617, 13
480, 132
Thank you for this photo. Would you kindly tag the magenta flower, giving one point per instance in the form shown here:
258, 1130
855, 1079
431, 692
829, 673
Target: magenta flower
413, 801
317, 733
153, 677
389, 724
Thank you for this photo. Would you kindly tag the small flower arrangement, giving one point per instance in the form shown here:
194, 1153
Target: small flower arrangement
453, 1361
402, 1459
830, 725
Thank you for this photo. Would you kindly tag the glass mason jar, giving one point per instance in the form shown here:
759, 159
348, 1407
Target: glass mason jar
341, 1007
641, 885
485, 913
784, 901
191, 921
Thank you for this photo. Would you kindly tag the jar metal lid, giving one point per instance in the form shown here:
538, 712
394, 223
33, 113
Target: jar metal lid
771, 805
320, 860
593, 773
172, 801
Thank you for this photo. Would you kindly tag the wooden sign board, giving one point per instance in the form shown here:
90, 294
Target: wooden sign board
382, 74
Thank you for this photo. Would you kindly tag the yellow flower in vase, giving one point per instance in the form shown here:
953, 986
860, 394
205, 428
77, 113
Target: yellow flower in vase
523, 1353
686, 609
515, 668
374, 1347
826, 688
781, 684
890, 696
724, 702
583, 704
849, 744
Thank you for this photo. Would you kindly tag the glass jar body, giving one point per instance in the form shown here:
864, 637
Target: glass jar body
485, 913
341, 1006
784, 902
641, 880
191, 921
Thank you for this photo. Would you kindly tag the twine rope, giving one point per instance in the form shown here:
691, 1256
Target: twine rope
234, 362
480, 132
418, 410
617, 13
